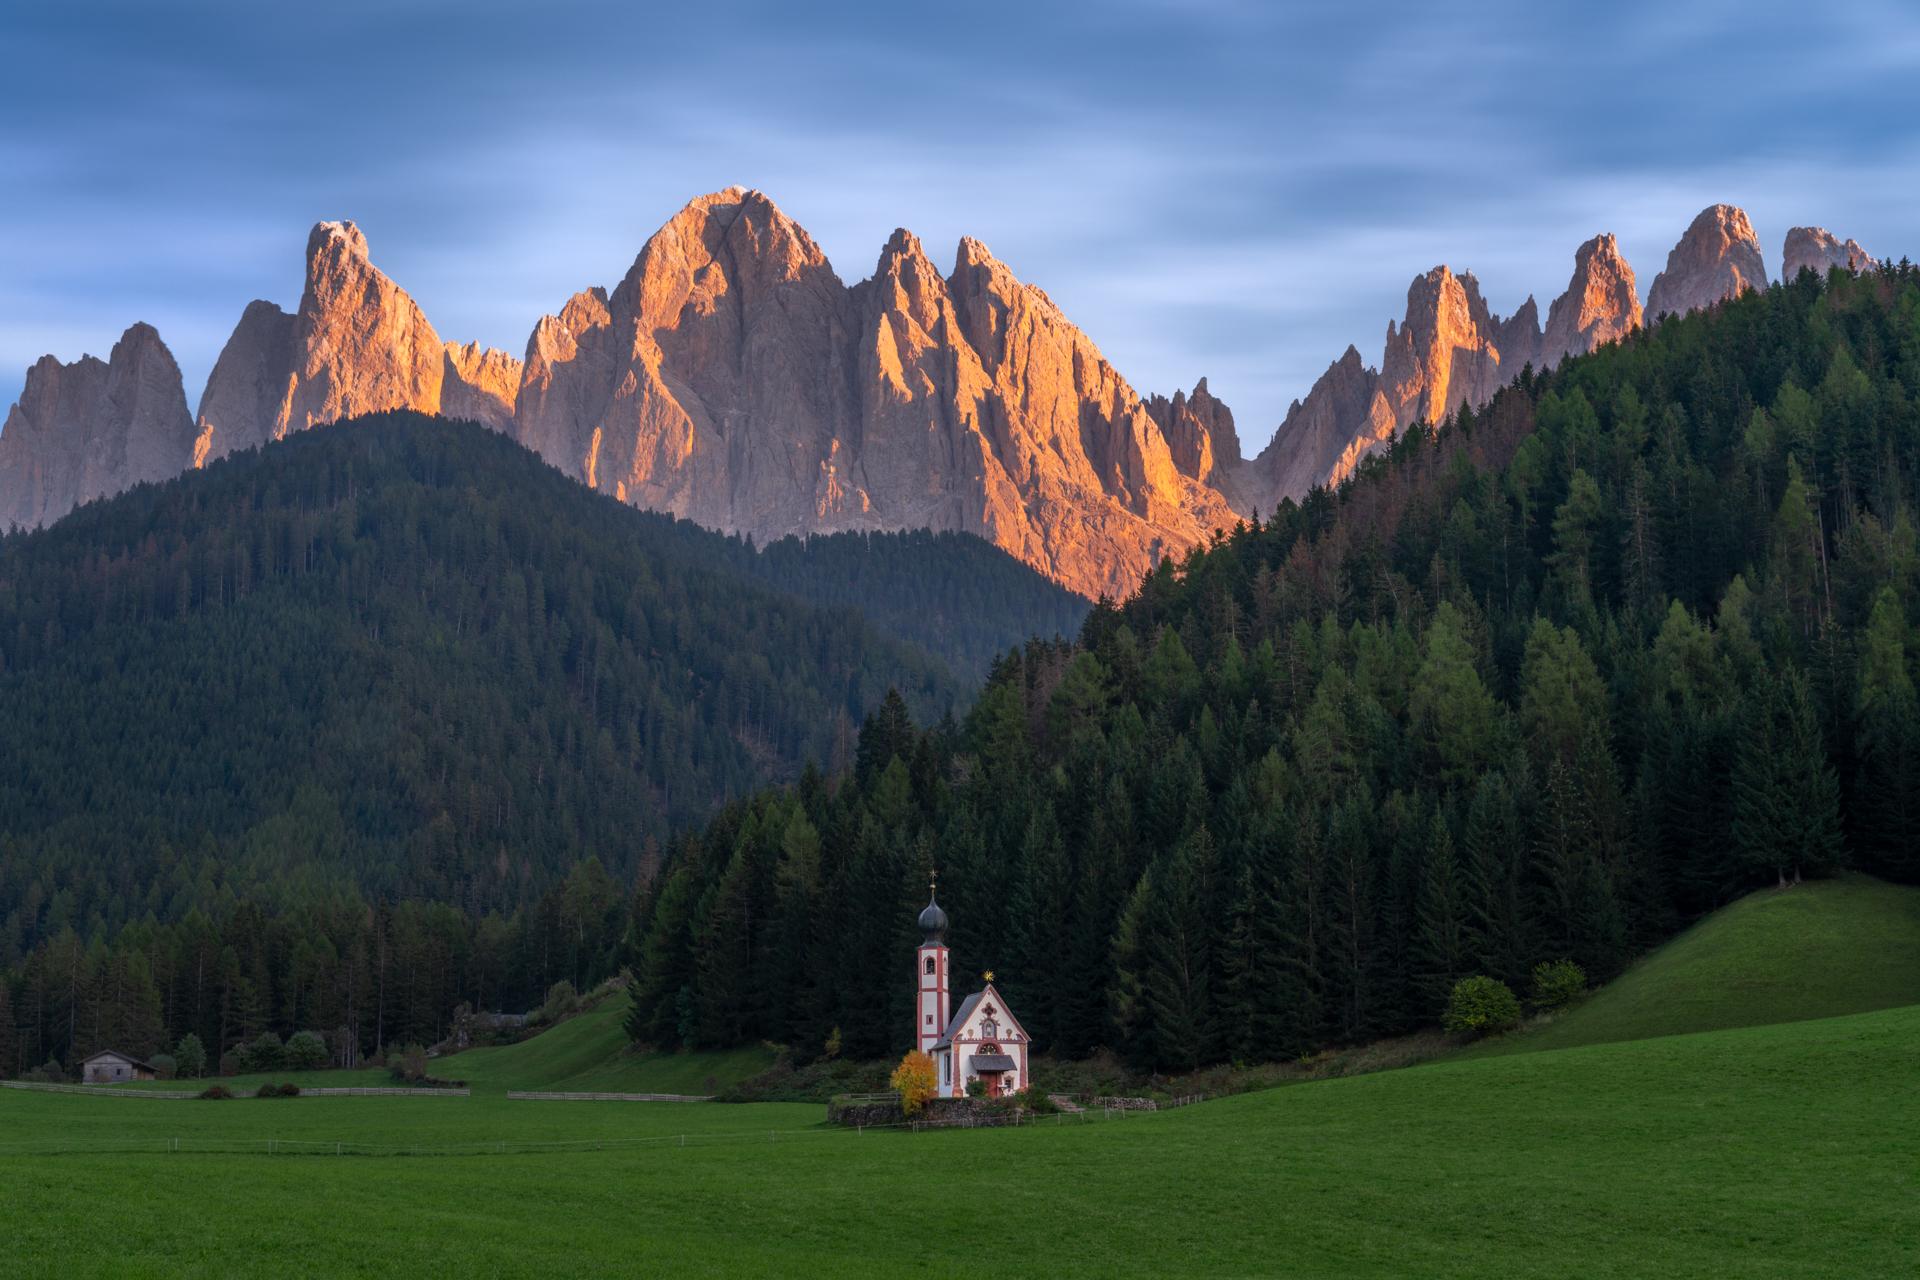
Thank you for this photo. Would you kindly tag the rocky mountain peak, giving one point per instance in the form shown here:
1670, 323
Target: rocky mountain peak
1601, 303
1199, 432
1446, 350
1818, 250
93, 428
357, 344
1717, 258
335, 239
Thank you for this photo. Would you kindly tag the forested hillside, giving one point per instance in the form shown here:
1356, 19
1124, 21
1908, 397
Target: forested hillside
1545, 683
396, 693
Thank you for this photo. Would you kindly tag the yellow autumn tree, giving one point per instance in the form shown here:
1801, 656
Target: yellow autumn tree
914, 1079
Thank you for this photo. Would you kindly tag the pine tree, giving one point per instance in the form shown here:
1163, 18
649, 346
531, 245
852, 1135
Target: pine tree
1176, 956
1443, 940
1886, 802
1786, 803
1500, 925
9, 1039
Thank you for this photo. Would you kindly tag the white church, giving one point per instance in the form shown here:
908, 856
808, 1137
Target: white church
982, 1040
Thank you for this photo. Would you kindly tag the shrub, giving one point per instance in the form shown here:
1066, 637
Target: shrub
409, 1064
976, 1088
216, 1093
306, 1051
289, 1090
230, 1063
1481, 1006
561, 1001
914, 1079
267, 1091
48, 1072
1557, 984
265, 1053
1038, 1103
190, 1057
164, 1065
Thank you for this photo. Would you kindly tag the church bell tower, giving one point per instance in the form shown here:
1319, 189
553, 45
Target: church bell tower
934, 1005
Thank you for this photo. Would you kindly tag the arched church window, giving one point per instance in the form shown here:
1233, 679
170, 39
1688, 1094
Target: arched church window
929, 966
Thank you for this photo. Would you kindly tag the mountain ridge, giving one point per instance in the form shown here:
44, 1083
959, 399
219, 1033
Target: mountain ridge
733, 378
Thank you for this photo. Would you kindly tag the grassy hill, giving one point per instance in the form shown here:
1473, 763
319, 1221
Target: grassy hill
1816, 950
589, 1054
585, 1054
1767, 1151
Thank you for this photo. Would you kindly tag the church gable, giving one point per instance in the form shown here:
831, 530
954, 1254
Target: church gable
985, 1017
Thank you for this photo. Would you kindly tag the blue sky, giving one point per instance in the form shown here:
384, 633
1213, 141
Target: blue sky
1206, 187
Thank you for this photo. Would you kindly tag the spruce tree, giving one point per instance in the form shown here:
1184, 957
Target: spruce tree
1886, 791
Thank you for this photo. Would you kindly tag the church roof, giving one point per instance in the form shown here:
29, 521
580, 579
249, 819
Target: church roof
960, 1017
992, 1062
965, 1011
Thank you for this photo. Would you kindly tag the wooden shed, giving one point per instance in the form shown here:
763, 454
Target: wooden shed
110, 1066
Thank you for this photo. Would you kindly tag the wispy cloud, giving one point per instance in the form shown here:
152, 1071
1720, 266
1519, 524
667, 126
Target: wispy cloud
1222, 188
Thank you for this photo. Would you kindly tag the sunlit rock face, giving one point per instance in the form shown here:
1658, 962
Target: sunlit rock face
733, 379
1601, 304
93, 428
1199, 432
357, 344
1718, 258
1817, 250
1448, 350
1342, 418
480, 385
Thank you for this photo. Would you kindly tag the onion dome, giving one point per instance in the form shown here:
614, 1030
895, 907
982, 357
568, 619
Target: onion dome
933, 922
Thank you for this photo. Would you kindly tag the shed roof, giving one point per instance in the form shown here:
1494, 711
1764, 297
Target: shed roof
992, 1062
127, 1058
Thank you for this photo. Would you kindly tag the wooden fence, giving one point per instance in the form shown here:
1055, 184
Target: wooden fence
120, 1091
520, 1096
102, 1090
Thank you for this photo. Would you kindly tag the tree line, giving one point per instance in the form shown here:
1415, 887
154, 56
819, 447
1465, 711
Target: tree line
1542, 684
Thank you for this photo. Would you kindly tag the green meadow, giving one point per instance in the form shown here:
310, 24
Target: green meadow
1815, 950
585, 1054
1641, 1148
1783, 1150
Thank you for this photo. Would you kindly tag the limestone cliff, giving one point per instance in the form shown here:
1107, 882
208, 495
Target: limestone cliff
1817, 250
733, 379
1199, 432
1718, 258
93, 428
357, 344
1601, 304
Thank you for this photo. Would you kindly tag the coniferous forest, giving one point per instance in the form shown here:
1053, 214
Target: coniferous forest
1544, 683
389, 716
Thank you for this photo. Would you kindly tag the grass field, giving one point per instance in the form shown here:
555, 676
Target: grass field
585, 1054
1783, 1150
1781, 955
588, 1054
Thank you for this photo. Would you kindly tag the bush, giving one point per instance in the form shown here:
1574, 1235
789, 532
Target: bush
1557, 984
164, 1066
289, 1090
561, 1001
190, 1057
976, 1088
409, 1064
265, 1053
216, 1093
1481, 1006
267, 1091
306, 1051
48, 1072
914, 1080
